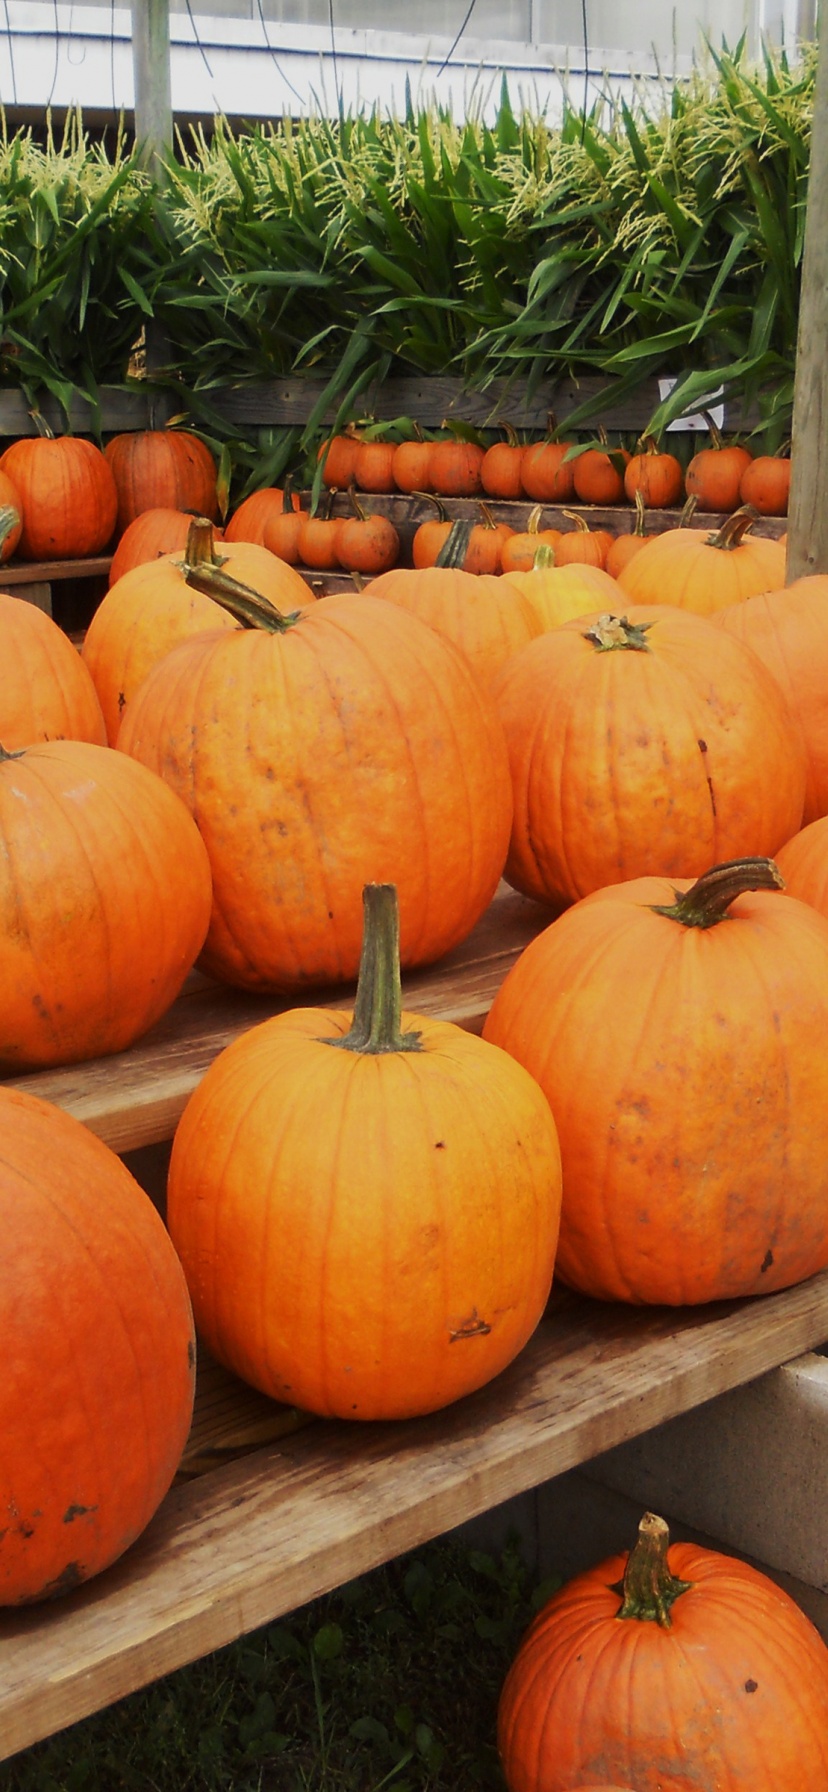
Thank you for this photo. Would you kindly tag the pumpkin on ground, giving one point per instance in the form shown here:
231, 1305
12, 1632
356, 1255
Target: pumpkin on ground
167, 469
635, 745
482, 614
98, 1328
672, 1669
156, 605
787, 629
349, 743
678, 1034
68, 494
51, 695
394, 1258
104, 898
704, 573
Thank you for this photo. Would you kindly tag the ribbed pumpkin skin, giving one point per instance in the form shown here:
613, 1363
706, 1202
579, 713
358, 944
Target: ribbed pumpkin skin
358, 747
148, 537
50, 695
152, 608
680, 568
477, 611
104, 902
69, 497
787, 628
559, 593
732, 1698
97, 1329
687, 1074
803, 862
249, 522
350, 1267
162, 468
609, 775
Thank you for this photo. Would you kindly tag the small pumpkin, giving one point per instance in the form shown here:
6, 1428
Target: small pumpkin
519, 552
317, 538
410, 465
162, 469
766, 484
105, 898
601, 1682
599, 473
253, 516
559, 593
95, 1417
655, 475
454, 468
500, 468
281, 533
624, 548
714, 475
481, 613
704, 572
546, 474
367, 542
374, 466
430, 536
68, 495
51, 695
581, 545
434, 1146
338, 455
669, 1199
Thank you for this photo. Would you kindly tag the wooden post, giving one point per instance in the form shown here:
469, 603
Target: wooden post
808, 510
153, 90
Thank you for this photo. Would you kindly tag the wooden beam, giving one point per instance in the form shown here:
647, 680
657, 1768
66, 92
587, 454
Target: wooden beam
153, 90
808, 509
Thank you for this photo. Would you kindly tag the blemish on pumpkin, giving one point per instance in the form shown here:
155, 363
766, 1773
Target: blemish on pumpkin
121, 700
191, 1353
439, 1144
473, 1327
702, 746
766, 1262
751, 1686
66, 1581
25, 1530
74, 1511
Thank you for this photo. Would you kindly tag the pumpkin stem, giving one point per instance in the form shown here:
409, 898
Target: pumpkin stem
544, 557
579, 521
456, 545
202, 568
377, 1019
733, 528
10, 753
715, 432
610, 632
649, 1589
708, 899
688, 512
9, 519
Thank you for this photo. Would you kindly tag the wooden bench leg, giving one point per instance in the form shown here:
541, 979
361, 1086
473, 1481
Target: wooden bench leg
36, 593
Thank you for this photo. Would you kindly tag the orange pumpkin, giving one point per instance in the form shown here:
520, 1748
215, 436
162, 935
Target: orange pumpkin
627, 757
599, 474
367, 543
667, 1198
154, 607
454, 468
624, 548
500, 468
787, 628
581, 545
374, 466
347, 744
339, 454
546, 474
162, 469
68, 494
766, 484
317, 536
410, 465
148, 537
430, 537
105, 899
558, 593
253, 516
602, 1682
98, 1325
281, 533
704, 573
803, 862
437, 1145
657, 477
485, 617
51, 695
520, 551
714, 475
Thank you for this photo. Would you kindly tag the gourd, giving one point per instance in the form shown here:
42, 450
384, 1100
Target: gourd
366, 1204
98, 1328
672, 1668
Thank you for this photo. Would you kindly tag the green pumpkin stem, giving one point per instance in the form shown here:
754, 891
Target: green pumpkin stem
203, 569
377, 1024
609, 633
544, 557
9, 519
649, 1589
456, 545
733, 528
709, 898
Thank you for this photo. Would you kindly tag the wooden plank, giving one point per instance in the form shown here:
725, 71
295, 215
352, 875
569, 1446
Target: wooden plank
35, 591
259, 1537
121, 409
152, 82
137, 1097
32, 572
808, 508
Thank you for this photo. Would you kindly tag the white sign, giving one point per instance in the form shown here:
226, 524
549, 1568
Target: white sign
696, 421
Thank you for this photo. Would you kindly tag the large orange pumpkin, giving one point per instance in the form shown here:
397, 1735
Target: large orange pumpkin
69, 497
482, 614
50, 695
803, 862
637, 745
704, 573
674, 1669
350, 744
393, 1258
97, 1329
678, 1033
255, 514
165, 469
788, 628
104, 901
155, 606
151, 535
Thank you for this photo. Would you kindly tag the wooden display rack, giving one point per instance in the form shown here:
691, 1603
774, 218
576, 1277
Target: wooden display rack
273, 1508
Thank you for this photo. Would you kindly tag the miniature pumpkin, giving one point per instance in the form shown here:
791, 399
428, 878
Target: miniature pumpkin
68, 494
105, 899
766, 484
374, 466
430, 536
670, 1199
701, 572
162, 469
98, 1325
352, 1269
255, 513
546, 474
454, 468
656, 476
599, 474
637, 745
787, 629
581, 545
367, 542
714, 475
410, 464
281, 532
672, 1668
51, 695
155, 606
338, 455
520, 551
346, 744
625, 547
500, 468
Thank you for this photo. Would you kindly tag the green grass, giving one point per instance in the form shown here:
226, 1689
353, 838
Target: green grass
389, 1684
